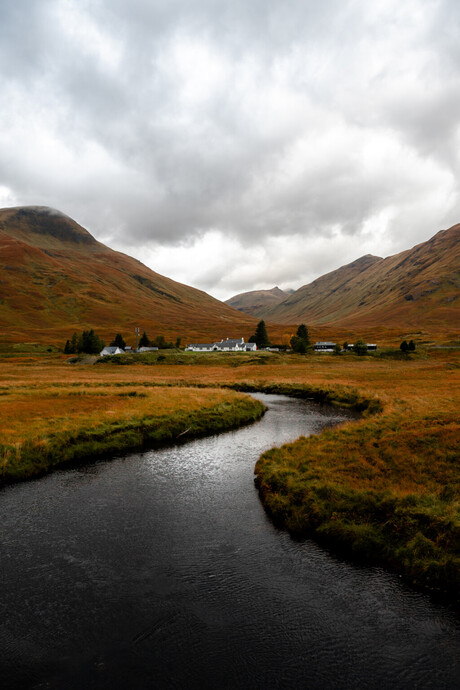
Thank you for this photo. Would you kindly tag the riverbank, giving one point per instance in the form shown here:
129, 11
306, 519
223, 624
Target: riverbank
383, 490
47, 426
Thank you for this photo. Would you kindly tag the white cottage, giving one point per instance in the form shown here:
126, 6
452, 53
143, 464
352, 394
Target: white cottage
111, 351
227, 345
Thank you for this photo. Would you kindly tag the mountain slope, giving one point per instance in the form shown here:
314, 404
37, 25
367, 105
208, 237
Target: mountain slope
256, 302
56, 278
418, 287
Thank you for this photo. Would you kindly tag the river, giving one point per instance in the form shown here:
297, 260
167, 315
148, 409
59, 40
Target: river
161, 570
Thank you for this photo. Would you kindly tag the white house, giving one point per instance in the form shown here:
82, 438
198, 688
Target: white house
227, 345
111, 351
370, 346
146, 349
324, 346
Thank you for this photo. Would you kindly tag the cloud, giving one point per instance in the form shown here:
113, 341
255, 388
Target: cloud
198, 128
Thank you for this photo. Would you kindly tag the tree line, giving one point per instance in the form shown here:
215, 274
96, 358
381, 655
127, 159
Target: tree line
89, 342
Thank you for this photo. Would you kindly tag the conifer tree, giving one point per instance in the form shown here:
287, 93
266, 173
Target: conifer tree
144, 341
90, 343
302, 333
300, 342
74, 343
118, 342
261, 335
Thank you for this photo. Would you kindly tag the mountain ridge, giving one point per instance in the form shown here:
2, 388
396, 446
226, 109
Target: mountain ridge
56, 278
418, 286
255, 301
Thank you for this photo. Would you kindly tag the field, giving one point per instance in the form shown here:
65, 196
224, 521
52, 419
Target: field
384, 488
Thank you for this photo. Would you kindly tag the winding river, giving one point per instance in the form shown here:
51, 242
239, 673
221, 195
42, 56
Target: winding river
161, 570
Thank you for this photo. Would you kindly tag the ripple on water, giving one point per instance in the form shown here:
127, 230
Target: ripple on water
161, 569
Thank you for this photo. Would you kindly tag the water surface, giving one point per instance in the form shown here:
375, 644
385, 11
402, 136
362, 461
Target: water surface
161, 570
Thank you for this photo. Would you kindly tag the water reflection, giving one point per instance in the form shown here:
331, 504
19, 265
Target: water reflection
162, 570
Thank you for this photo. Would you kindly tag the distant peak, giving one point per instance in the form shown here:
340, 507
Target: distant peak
45, 223
47, 210
368, 257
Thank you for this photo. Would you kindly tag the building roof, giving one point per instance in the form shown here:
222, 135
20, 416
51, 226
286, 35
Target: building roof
112, 349
231, 342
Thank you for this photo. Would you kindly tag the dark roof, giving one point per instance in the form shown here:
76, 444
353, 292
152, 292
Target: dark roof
231, 342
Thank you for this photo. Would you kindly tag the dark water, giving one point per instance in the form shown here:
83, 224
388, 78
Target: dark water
161, 570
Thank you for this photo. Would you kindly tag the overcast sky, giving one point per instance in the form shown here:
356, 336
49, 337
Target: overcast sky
235, 145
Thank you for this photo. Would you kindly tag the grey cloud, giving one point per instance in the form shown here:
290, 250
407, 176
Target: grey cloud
166, 143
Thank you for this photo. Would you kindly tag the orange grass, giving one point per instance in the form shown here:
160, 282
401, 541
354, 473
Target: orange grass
43, 424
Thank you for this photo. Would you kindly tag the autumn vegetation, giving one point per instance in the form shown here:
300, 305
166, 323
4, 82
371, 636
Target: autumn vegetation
383, 488
49, 422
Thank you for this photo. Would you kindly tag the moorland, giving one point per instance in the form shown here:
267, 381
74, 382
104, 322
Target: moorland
383, 488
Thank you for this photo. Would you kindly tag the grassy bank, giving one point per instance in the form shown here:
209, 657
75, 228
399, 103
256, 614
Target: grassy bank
46, 426
343, 396
385, 490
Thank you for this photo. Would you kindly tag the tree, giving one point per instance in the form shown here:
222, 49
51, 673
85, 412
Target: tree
178, 342
345, 345
144, 341
411, 345
260, 336
337, 349
404, 347
300, 342
74, 343
360, 347
302, 333
90, 343
118, 342
71, 346
161, 343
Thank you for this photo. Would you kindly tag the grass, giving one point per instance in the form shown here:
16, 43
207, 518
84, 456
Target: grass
384, 488
47, 425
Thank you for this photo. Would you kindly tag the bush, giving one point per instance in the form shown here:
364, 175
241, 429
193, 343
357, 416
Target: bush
360, 347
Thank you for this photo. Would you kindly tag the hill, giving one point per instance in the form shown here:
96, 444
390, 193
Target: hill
416, 289
256, 302
56, 278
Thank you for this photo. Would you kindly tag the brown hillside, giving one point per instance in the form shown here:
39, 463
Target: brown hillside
418, 288
256, 302
55, 278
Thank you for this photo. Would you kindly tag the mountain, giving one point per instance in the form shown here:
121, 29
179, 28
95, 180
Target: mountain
256, 301
56, 278
418, 288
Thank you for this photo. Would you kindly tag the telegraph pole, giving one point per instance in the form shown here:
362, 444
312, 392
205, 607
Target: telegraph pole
137, 338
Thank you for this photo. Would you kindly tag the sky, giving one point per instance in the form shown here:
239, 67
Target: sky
235, 145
